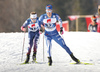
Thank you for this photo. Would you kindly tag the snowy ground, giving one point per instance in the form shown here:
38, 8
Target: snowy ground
84, 45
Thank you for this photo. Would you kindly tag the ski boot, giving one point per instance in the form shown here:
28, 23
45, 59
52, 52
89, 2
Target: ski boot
49, 61
27, 58
34, 57
75, 59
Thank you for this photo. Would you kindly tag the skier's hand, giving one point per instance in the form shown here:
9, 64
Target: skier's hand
41, 31
23, 29
61, 31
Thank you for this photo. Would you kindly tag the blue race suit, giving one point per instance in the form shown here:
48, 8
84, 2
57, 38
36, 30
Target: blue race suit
33, 33
51, 32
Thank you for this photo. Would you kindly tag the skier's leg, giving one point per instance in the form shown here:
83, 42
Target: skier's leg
29, 51
49, 45
74, 58
29, 48
27, 58
35, 46
61, 42
49, 61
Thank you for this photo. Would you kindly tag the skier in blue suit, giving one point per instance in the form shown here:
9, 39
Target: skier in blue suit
49, 20
33, 34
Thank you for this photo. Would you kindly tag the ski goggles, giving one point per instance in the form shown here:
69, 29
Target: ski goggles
48, 11
33, 19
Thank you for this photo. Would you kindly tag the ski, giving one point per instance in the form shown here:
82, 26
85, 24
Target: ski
34, 62
29, 62
23, 63
84, 63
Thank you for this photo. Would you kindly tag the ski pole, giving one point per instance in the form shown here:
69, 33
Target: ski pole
43, 47
39, 40
23, 47
62, 36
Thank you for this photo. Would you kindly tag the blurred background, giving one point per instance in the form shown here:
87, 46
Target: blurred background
13, 13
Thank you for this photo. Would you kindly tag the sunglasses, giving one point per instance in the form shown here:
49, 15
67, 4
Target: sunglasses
48, 11
33, 19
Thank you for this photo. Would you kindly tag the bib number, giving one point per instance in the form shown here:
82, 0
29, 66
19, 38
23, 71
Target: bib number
49, 25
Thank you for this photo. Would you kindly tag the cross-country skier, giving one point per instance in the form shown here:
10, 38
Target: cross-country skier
49, 20
93, 25
33, 34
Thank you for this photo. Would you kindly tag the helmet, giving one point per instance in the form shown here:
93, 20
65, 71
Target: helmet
49, 6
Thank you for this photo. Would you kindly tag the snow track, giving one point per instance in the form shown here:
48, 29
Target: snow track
84, 45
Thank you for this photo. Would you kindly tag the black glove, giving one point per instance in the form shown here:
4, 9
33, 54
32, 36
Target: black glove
61, 30
41, 30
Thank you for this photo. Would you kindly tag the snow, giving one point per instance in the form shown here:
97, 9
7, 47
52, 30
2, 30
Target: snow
84, 45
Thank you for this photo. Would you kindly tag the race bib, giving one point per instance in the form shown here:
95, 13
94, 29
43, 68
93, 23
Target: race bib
33, 27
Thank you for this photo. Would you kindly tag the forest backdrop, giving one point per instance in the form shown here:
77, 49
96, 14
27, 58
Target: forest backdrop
13, 13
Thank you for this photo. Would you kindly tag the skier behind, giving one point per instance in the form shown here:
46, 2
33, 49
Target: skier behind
33, 34
49, 20
93, 25
98, 19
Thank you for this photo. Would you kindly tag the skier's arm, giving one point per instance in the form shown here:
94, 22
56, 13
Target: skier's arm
41, 28
23, 27
41, 25
60, 23
89, 27
59, 19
